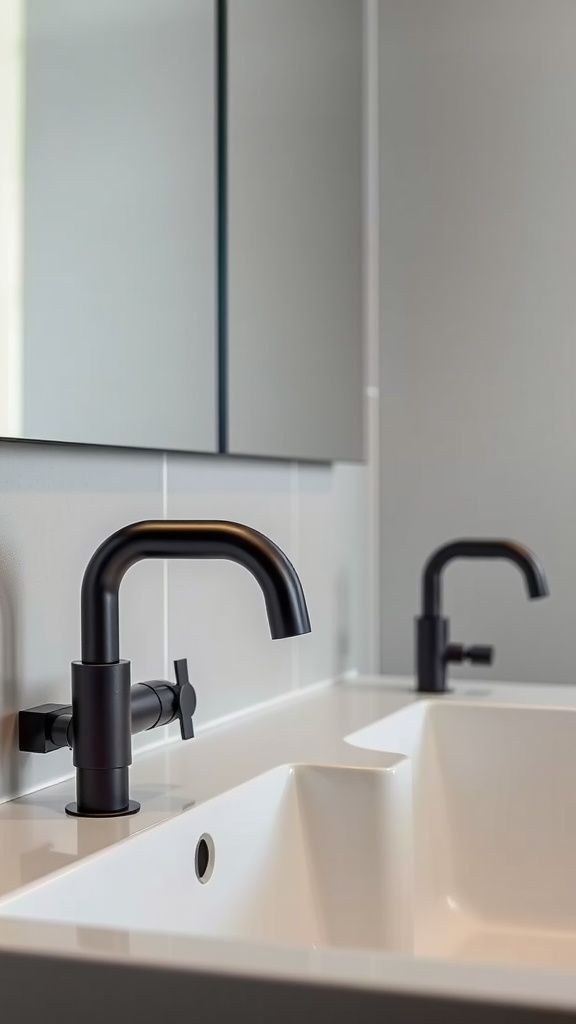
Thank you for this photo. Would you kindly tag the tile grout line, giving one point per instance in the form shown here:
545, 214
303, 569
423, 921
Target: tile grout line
165, 567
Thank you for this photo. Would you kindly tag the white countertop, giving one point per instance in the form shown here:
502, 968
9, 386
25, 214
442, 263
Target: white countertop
37, 839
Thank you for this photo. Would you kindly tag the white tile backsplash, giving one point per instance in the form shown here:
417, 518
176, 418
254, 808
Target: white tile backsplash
354, 551
58, 503
317, 542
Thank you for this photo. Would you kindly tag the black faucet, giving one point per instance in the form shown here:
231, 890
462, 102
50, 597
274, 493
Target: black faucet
105, 708
433, 651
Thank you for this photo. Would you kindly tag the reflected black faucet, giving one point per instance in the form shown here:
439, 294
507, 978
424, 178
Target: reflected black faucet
433, 651
105, 708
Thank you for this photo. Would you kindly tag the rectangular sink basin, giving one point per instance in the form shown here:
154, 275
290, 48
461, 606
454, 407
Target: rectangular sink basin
303, 854
494, 815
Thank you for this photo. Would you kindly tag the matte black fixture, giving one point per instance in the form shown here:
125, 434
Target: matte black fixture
105, 708
433, 651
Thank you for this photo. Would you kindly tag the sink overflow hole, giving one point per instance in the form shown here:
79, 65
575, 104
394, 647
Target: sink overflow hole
204, 858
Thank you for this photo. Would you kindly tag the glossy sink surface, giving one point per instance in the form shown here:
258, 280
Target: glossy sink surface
305, 855
494, 815
464, 849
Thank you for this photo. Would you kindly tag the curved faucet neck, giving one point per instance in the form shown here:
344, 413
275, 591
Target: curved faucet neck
278, 580
521, 556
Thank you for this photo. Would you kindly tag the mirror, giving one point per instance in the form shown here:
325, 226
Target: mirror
295, 138
111, 155
185, 225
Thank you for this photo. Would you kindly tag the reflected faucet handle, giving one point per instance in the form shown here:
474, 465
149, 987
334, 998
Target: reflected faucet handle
186, 697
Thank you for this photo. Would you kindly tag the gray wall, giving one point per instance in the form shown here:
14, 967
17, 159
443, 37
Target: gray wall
478, 317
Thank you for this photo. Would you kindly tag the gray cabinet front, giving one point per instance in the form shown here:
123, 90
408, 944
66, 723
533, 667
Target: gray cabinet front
295, 311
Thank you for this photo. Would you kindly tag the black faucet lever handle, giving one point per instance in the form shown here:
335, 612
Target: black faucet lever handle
480, 654
186, 696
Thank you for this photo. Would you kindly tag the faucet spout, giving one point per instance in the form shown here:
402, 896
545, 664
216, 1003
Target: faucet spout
277, 577
534, 576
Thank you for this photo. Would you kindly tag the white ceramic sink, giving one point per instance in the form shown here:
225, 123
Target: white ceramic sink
465, 849
494, 809
302, 854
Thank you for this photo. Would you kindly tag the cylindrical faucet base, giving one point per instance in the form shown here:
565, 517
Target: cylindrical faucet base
102, 737
102, 793
431, 641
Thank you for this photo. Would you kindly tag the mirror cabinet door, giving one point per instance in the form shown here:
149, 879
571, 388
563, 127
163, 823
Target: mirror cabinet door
119, 221
295, 310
